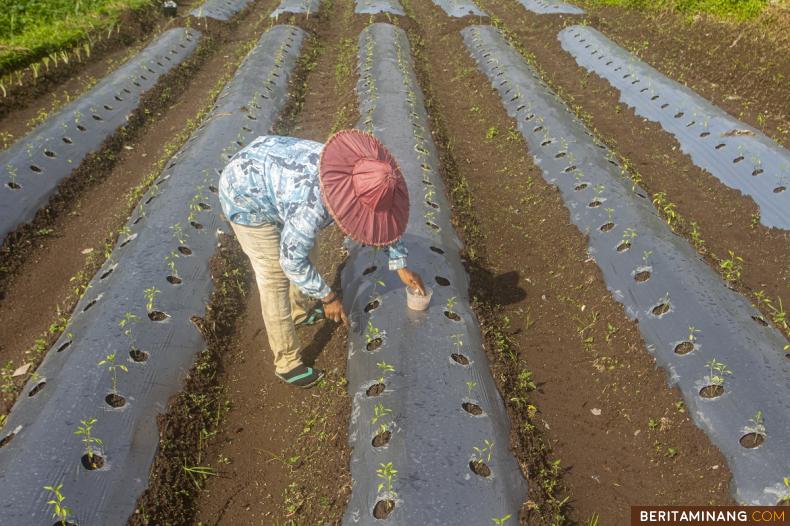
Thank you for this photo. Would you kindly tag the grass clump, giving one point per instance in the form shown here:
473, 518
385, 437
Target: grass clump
32, 29
739, 10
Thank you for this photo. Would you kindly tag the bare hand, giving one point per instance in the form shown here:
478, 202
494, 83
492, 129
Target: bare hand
412, 280
334, 311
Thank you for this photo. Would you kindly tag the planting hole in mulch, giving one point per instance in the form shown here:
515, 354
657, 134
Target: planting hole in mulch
437, 250
779, 189
460, 358
204, 206
8, 438
158, 315
569, 169
643, 276
138, 356
480, 468
452, 315
174, 280
115, 400
383, 508
472, 409
369, 270
375, 389
580, 187
432, 225
50, 154
374, 344
93, 462
212, 189
67, 523
607, 226
760, 320
752, 440
106, 273
13, 186
720, 146
37, 389
196, 225
64, 346
624, 246
594, 204
382, 439
373, 305
444, 282
711, 391
684, 348
89, 305
185, 250
738, 159
660, 309
787, 356
431, 204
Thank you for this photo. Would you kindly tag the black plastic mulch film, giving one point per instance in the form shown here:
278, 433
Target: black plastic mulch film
306, 7
420, 381
222, 10
38, 443
738, 155
459, 8
372, 7
661, 282
551, 7
35, 165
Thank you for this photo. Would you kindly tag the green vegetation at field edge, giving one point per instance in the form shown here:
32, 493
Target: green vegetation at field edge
728, 9
33, 29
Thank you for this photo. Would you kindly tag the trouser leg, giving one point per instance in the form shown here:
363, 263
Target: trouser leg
262, 245
300, 302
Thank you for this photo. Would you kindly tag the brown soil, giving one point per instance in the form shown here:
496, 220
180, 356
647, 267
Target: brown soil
480, 468
684, 348
642, 276
115, 400
747, 80
375, 389
553, 320
383, 508
472, 409
43, 264
283, 452
460, 358
752, 440
711, 391
93, 462
382, 439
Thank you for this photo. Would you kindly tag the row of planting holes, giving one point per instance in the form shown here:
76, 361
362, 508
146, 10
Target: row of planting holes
136, 355
96, 116
757, 170
642, 274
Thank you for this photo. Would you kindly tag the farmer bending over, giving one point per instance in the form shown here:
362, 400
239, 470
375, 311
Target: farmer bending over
278, 192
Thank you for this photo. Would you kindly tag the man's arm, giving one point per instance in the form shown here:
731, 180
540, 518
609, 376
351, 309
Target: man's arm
397, 261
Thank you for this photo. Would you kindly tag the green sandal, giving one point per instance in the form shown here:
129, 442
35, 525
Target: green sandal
301, 376
316, 315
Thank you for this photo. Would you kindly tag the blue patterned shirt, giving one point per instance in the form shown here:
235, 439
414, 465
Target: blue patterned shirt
275, 180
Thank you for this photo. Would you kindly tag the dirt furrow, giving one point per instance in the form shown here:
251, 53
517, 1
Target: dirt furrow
568, 359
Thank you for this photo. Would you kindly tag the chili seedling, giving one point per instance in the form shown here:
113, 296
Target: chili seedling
469, 386
88, 440
59, 511
372, 332
126, 325
112, 368
717, 371
379, 412
150, 298
387, 474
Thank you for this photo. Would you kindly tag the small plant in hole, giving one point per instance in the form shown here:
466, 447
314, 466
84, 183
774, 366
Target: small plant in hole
646, 257
126, 324
150, 303
449, 309
717, 371
469, 387
754, 433
784, 501
60, 511
179, 234
481, 457
373, 336
379, 412
609, 223
387, 473
662, 307
113, 368
92, 444
170, 259
629, 235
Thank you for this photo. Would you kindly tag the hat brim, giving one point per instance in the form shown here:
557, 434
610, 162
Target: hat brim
363, 224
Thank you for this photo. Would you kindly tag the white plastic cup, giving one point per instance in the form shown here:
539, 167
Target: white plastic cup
416, 301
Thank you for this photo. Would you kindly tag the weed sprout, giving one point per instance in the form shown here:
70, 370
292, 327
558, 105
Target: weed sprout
469, 386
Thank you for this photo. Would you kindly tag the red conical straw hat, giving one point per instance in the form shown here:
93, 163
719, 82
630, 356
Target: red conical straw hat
363, 188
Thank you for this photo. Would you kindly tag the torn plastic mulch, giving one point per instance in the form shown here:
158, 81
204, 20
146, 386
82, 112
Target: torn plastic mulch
372, 7
738, 155
424, 402
306, 7
176, 222
459, 8
36, 164
551, 7
222, 10
727, 362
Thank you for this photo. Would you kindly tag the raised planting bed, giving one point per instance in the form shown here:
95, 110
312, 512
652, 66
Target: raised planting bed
35, 165
735, 153
459, 8
222, 10
551, 7
299, 7
135, 333
728, 364
429, 432
372, 7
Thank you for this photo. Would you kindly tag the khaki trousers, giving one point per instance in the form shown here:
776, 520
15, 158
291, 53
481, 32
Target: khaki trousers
282, 303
